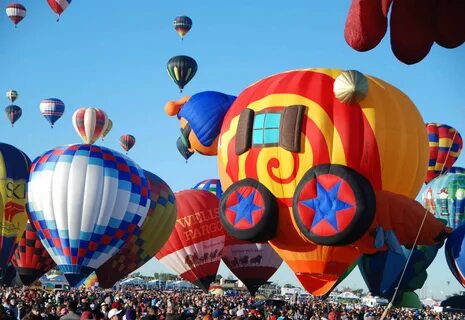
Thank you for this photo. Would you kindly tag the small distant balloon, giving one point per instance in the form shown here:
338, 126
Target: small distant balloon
59, 6
182, 25
90, 123
127, 141
108, 129
52, 109
181, 69
12, 95
16, 12
13, 113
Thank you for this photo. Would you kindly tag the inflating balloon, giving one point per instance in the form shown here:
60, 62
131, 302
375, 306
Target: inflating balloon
127, 141
414, 26
85, 202
13, 113
455, 254
252, 263
16, 12
90, 123
52, 109
445, 197
59, 6
12, 95
31, 259
194, 249
153, 234
108, 129
181, 69
445, 145
303, 166
182, 25
14, 173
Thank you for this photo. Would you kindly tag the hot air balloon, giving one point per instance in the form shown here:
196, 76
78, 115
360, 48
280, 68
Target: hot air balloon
411, 32
210, 185
455, 253
85, 202
445, 145
52, 109
181, 69
127, 141
30, 259
13, 113
154, 232
108, 129
382, 271
14, 173
302, 166
16, 12
182, 25
195, 246
59, 6
91, 282
90, 123
252, 263
445, 197
12, 95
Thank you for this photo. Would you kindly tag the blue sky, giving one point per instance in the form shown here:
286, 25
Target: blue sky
112, 54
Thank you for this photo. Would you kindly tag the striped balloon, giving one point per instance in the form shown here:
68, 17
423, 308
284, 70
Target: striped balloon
182, 25
13, 113
16, 12
127, 141
182, 69
90, 123
154, 233
108, 129
58, 6
12, 95
52, 109
30, 259
85, 202
445, 145
210, 185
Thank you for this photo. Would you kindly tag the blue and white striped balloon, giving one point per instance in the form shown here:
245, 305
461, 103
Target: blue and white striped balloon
52, 109
85, 201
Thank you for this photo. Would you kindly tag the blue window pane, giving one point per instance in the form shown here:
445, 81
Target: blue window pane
271, 136
257, 136
272, 120
259, 121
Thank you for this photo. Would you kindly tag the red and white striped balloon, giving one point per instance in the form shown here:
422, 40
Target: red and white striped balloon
58, 6
16, 12
90, 123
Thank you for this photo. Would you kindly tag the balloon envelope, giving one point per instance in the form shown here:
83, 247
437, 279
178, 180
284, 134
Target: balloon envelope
90, 123
455, 253
52, 109
13, 113
12, 95
154, 233
14, 173
182, 25
85, 202
59, 6
181, 69
194, 249
127, 141
16, 12
445, 197
31, 259
445, 145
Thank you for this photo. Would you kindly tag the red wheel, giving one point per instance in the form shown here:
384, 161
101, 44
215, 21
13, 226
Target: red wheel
333, 205
249, 211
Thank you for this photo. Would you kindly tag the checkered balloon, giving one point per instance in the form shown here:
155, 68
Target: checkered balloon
85, 201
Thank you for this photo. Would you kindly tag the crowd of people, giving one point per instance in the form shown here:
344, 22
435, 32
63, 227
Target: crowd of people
140, 304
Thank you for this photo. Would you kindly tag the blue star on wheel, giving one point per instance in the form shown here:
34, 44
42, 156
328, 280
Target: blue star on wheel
326, 205
244, 208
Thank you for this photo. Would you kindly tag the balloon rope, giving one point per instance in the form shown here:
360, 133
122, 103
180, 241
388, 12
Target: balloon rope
416, 238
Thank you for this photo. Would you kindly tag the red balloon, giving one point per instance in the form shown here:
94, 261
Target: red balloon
31, 259
195, 247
